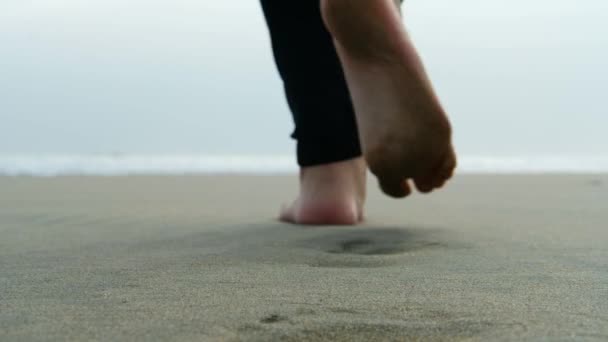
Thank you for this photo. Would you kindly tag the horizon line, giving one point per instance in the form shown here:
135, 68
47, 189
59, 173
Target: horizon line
177, 164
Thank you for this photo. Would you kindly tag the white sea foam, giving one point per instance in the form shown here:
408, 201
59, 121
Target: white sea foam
53, 165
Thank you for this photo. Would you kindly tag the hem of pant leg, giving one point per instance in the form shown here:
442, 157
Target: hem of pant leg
316, 157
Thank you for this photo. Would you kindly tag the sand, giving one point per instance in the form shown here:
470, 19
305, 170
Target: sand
200, 258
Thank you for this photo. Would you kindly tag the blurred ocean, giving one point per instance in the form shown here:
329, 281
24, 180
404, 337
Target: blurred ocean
109, 165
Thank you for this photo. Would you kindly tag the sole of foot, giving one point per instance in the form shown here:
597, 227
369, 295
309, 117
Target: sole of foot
405, 133
330, 194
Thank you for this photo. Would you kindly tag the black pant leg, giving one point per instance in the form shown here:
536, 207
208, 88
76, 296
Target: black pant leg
317, 94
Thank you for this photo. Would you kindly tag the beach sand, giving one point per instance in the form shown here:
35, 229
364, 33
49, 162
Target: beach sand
201, 258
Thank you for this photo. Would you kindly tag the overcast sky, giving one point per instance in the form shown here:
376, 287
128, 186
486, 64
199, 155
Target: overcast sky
197, 76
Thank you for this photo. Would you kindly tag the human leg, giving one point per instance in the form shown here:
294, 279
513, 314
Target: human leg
332, 174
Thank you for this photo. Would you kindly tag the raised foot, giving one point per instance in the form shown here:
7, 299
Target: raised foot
405, 133
330, 194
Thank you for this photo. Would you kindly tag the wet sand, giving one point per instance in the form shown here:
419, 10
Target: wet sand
513, 258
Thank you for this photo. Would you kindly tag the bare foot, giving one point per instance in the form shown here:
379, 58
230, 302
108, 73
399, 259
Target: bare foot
330, 194
405, 134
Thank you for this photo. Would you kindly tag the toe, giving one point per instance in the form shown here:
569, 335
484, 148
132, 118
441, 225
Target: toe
443, 172
424, 184
446, 170
437, 178
395, 187
439, 183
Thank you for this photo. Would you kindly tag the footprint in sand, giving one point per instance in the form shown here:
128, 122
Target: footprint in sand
365, 248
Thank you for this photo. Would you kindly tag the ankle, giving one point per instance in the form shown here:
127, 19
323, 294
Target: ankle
337, 178
332, 193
